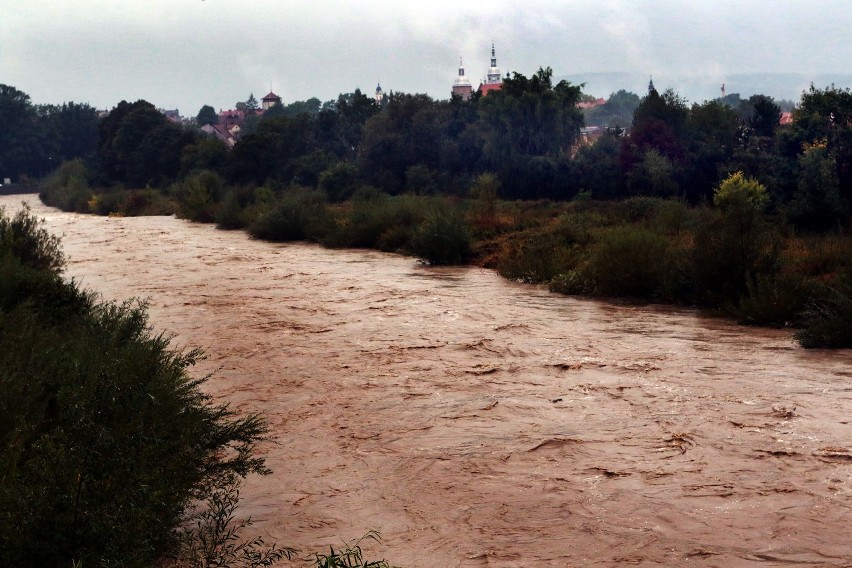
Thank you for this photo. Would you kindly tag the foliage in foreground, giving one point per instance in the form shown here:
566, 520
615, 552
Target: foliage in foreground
105, 441
350, 556
213, 537
110, 454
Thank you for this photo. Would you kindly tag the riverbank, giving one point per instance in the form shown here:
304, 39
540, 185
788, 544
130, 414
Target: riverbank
739, 261
560, 431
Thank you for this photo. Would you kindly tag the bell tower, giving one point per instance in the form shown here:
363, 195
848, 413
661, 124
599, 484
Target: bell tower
462, 86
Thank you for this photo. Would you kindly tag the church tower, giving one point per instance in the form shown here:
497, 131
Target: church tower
462, 86
493, 80
379, 94
493, 76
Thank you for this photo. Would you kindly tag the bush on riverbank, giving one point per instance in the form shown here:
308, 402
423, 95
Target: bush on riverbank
105, 440
297, 215
826, 319
68, 189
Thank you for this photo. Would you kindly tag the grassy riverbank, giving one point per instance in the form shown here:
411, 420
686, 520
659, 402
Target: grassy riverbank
740, 259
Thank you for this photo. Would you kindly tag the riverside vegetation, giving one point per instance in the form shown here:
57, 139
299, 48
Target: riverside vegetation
110, 453
660, 212
506, 181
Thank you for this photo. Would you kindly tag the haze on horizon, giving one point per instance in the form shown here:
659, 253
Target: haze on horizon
187, 54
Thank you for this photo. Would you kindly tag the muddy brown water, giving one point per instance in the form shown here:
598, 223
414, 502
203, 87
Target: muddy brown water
473, 421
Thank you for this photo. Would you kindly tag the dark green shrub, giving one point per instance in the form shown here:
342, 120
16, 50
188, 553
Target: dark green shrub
538, 257
569, 283
627, 261
377, 220
672, 218
827, 320
24, 238
230, 214
198, 195
148, 201
339, 181
297, 215
578, 227
640, 208
677, 279
442, 238
395, 238
773, 300
68, 187
105, 441
108, 202
726, 253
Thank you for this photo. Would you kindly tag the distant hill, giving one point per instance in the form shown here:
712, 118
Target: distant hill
700, 88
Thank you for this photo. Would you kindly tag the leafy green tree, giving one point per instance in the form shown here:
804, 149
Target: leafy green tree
339, 181
407, 132
730, 250
310, 107
817, 203
617, 112
421, 180
712, 139
738, 194
251, 103
760, 115
660, 124
824, 116
668, 111
732, 100
528, 118
21, 143
653, 175
272, 151
140, 146
77, 131
206, 153
308, 168
207, 115
340, 124
596, 169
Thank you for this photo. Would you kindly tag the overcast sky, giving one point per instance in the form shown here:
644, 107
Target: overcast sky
187, 53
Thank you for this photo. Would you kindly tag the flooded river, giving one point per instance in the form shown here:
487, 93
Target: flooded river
477, 422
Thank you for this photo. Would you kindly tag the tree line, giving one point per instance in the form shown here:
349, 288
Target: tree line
528, 134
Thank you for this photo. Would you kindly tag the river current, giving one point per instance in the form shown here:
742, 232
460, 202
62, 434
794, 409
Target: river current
474, 421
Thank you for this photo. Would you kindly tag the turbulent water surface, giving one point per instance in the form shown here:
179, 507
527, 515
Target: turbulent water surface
477, 422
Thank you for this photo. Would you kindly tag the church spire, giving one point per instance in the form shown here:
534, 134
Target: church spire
461, 86
494, 76
651, 86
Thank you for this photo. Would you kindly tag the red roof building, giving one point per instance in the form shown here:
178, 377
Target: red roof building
270, 100
493, 80
486, 88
